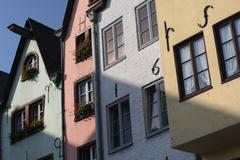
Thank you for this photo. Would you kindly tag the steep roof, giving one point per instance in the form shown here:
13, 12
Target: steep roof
49, 46
3, 81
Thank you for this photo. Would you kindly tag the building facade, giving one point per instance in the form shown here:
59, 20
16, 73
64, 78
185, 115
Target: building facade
201, 70
80, 132
128, 61
3, 81
31, 122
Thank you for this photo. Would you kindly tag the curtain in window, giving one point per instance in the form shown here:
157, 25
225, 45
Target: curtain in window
229, 53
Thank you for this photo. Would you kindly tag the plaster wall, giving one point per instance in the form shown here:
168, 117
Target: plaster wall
81, 132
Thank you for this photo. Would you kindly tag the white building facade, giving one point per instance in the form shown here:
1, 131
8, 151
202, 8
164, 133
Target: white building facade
133, 105
32, 118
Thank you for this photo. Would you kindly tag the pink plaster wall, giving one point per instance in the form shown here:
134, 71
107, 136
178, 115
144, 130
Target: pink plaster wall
81, 132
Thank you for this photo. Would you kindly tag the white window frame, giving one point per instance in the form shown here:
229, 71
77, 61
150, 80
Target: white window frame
146, 105
122, 145
88, 91
112, 27
152, 40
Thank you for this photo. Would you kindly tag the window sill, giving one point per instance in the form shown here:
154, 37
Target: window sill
83, 58
80, 115
115, 62
148, 43
230, 78
112, 151
25, 133
195, 93
157, 132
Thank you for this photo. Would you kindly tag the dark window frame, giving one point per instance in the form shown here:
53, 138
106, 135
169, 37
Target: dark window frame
227, 21
29, 128
178, 66
47, 157
30, 72
108, 107
77, 115
86, 147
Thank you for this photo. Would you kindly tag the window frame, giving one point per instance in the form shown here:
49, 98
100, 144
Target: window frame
178, 67
146, 108
112, 26
227, 21
47, 157
139, 37
90, 146
25, 68
26, 110
108, 107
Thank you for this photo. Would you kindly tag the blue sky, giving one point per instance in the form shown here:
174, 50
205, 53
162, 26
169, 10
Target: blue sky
48, 12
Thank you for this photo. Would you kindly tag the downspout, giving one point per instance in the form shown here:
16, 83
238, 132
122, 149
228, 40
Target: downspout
63, 94
96, 83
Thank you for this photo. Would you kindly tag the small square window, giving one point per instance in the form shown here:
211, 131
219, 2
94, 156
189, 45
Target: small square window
84, 99
147, 23
113, 43
83, 46
88, 153
192, 67
156, 108
228, 43
119, 125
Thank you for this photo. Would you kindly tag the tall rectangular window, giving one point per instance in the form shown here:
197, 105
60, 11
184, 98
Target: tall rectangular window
147, 23
87, 153
113, 43
156, 108
119, 122
36, 111
228, 42
192, 67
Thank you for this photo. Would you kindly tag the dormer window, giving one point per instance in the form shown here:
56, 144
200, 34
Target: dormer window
30, 68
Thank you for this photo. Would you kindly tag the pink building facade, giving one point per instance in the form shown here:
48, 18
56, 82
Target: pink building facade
80, 132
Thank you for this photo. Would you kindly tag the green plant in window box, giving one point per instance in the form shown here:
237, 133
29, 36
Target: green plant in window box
84, 111
83, 52
29, 73
38, 124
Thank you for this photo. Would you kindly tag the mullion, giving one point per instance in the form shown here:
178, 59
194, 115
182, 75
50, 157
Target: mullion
194, 65
222, 43
114, 40
120, 123
149, 20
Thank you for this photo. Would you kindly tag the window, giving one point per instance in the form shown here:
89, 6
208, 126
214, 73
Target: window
88, 153
156, 108
113, 43
83, 46
147, 23
30, 68
48, 157
84, 99
228, 42
120, 134
28, 120
192, 67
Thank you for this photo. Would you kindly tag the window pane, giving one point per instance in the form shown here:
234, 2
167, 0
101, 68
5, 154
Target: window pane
185, 53
109, 34
152, 6
163, 105
110, 57
82, 89
109, 46
83, 99
145, 37
189, 86
154, 121
187, 69
119, 28
203, 79
120, 51
199, 47
144, 25
126, 122
201, 62
228, 50
155, 31
225, 33
114, 126
237, 25
143, 12
231, 66
119, 40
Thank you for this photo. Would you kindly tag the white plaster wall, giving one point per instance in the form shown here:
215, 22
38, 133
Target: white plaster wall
131, 75
41, 143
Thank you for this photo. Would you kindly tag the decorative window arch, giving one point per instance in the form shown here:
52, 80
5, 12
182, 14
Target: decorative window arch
30, 66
